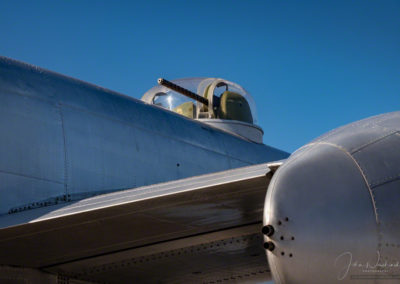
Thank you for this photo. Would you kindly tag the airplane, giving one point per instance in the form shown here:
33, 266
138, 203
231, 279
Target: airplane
178, 187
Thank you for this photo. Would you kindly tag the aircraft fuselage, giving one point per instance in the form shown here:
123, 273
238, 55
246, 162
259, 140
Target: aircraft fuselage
63, 139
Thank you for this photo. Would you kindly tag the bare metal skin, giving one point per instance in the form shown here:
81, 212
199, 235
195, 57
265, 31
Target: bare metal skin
80, 198
64, 139
100, 187
335, 207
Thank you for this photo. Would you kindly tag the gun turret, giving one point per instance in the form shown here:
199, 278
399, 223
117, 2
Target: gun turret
213, 101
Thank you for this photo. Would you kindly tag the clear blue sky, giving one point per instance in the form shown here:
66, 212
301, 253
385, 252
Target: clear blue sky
310, 65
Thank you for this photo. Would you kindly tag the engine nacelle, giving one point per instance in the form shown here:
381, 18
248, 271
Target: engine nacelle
334, 207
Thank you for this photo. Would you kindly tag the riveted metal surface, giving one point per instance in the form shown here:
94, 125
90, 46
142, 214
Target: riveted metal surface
134, 218
233, 255
66, 140
31, 151
66, 137
340, 195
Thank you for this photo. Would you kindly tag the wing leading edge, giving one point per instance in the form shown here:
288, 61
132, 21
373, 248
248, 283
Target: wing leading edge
199, 229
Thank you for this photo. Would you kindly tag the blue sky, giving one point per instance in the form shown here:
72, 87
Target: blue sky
310, 65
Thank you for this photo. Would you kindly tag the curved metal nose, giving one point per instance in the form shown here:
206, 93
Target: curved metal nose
320, 207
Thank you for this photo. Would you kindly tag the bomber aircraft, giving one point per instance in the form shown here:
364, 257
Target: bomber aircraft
178, 187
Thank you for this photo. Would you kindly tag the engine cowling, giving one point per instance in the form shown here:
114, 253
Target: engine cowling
334, 207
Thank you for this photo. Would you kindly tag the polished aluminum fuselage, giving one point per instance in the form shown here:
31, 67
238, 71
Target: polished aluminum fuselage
63, 140
335, 207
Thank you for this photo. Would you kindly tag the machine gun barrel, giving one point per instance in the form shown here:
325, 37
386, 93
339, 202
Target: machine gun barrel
182, 91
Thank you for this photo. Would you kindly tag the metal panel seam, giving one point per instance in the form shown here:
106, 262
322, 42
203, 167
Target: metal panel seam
374, 141
29, 176
156, 132
65, 149
362, 174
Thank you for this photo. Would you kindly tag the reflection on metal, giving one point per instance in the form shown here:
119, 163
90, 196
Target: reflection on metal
249, 131
337, 199
203, 206
144, 220
64, 141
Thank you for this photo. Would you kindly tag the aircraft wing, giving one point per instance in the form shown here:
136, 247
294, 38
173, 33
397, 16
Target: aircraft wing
202, 229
